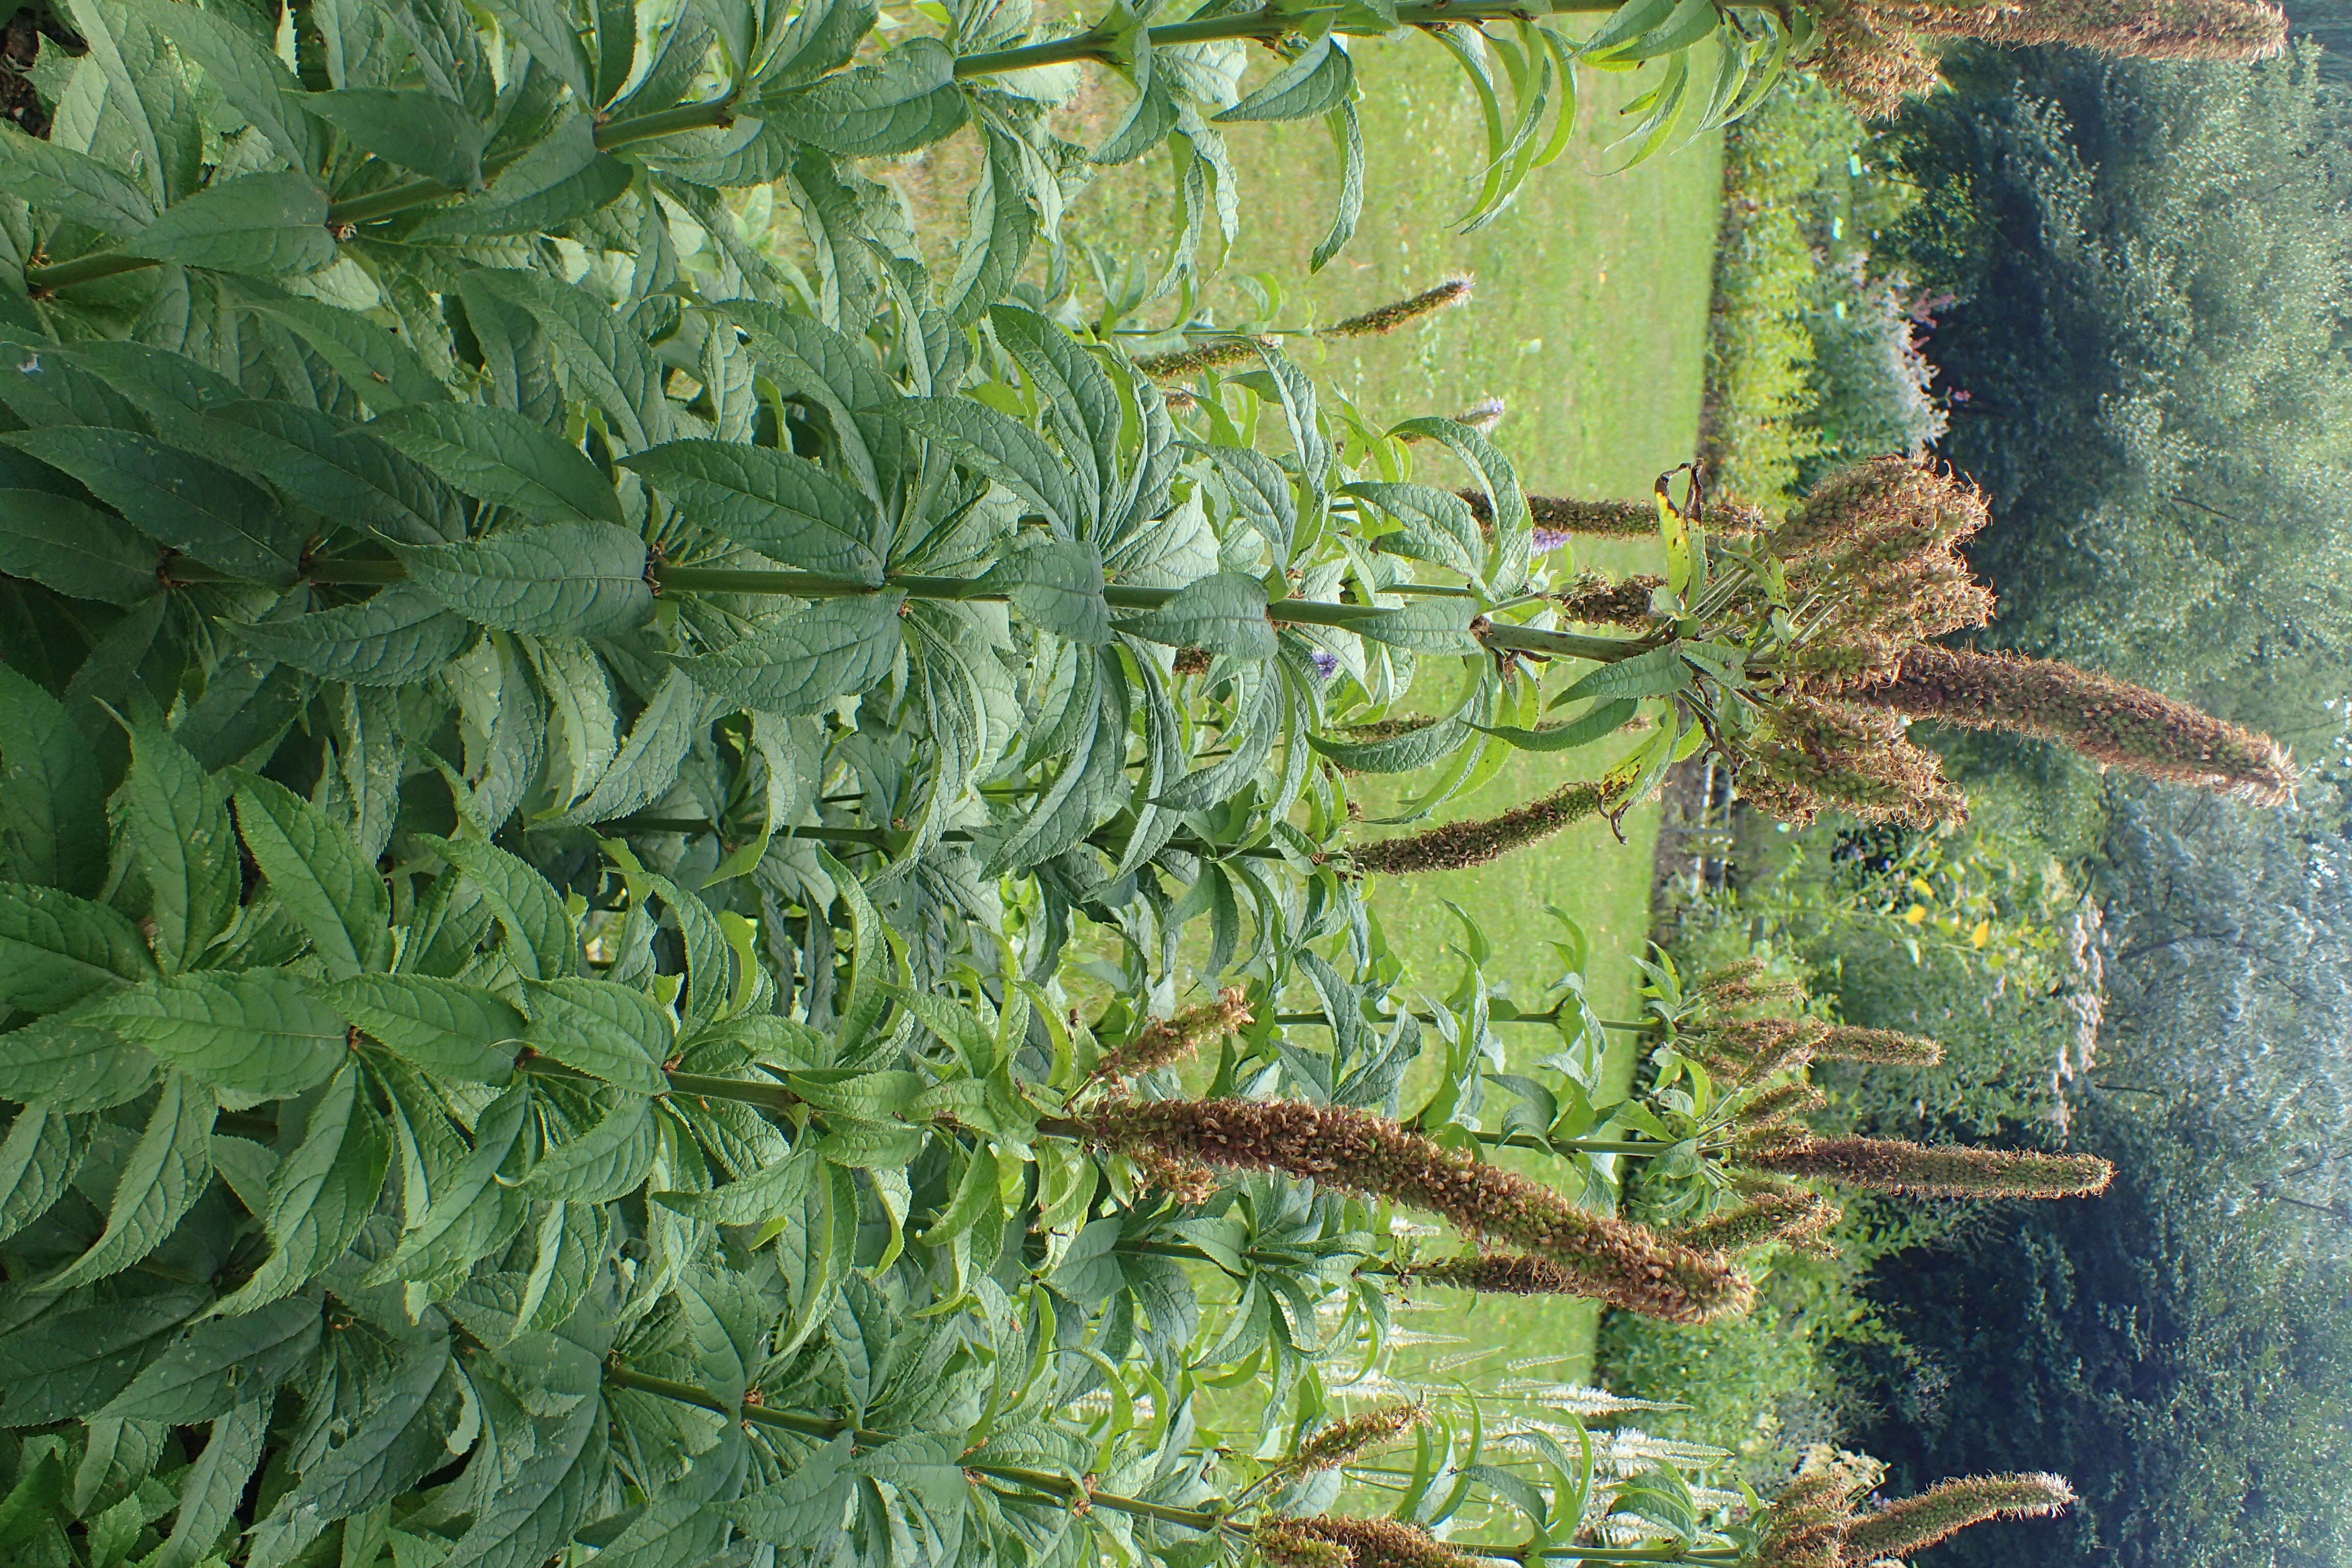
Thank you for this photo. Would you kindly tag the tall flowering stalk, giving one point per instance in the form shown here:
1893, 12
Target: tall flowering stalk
1876, 55
1457, 846
1335, 1541
1814, 1521
1892, 1166
1950, 1507
2115, 724
1841, 609
1626, 1264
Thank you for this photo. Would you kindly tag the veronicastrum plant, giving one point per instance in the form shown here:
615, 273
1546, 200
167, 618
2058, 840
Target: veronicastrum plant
553, 769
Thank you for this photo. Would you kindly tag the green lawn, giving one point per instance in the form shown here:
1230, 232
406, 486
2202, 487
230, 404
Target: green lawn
1589, 321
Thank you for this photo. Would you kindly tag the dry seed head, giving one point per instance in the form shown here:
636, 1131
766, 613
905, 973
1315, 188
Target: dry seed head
1627, 1265
1385, 318
2136, 29
1780, 1104
1948, 1507
1283, 1544
1892, 1166
1210, 355
1457, 846
1880, 1048
1811, 750
1166, 1041
1792, 1216
1882, 509
1379, 1542
1753, 1049
2110, 721
1596, 601
1870, 63
1343, 1442
1189, 1182
1498, 1274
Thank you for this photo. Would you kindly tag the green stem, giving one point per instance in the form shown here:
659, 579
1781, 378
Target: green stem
1101, 45
1564, 645
1118, 595
1059, 1487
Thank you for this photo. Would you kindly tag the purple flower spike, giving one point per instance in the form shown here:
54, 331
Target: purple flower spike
1327, 663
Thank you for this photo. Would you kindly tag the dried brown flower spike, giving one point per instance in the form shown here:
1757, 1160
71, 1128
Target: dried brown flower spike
1617, 1261
1166, 1041
2109, 722
1892, 1166
1366, 1542
1457, 846
1950, 1507
1382, 319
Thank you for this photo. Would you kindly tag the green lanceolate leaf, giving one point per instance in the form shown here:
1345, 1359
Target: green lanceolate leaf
605, 1161
64, 1364
419, 130
72, 185
401, 636
211, 1488
244, 70
545, 27
1003, 226
385, 371
994, 446
1603, 718
312, 865
557, 579
603, 358
55, 949
447, 1027
345, 474
784, 507
68, 1063
472, 1209
834, 648
1225, 613
502, 457
80, 552
1659, 671
175, 818
175, 497
164, 1174
261, 1032
541, 940
908, 100
413, 1409
220, 1363
1320, 79
52, 805
1058, 584
603, 1029
320, 1194
260, 225
1424, 625
39, 1158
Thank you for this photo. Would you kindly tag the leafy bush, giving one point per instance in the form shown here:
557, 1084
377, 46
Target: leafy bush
1815, 358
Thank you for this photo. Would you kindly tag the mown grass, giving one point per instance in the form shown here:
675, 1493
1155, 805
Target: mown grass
1589, 322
